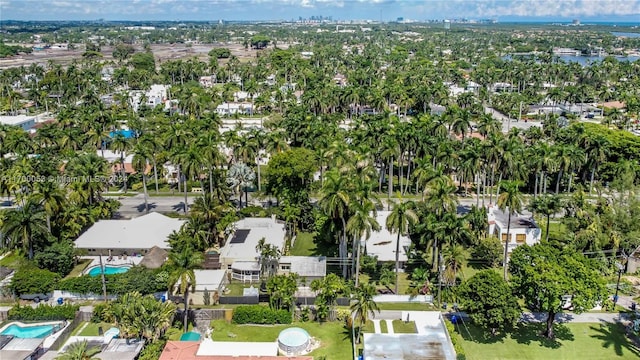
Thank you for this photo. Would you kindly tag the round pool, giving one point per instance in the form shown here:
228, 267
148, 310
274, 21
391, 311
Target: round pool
108, 270
294, 341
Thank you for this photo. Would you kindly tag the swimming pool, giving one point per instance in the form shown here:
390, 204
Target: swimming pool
108, 270
293, 341
28, 332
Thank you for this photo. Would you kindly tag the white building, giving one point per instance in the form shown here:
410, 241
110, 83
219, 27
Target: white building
522, 229
244, 237
382, 243
26, 122
135, 236
210, 281
230, 108
156, 95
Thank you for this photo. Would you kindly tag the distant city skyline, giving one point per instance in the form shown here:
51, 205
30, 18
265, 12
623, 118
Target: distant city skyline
385, 10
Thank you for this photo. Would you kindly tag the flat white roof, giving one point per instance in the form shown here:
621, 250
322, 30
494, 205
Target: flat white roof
268, 228
16, 120
143, 232
210, 279
383, 243
209, 347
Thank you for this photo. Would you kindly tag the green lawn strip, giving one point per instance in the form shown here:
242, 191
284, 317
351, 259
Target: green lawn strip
573, 341
368, 327
406, 306
335, 339
303, 246
92, 329
403, 283
383, 327
78, 269
401, 327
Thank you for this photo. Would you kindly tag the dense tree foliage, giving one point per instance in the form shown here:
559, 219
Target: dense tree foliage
543, 275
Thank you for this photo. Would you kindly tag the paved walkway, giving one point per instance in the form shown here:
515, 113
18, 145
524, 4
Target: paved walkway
376, 326
587, 317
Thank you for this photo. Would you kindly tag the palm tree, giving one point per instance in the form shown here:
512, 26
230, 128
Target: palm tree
401, 218
121, 144
510, 200
183, 264
547, 205
49, 195
360, 225
454, 258
363, 305
239, 177
24, 224
334, 200
80, 350
140, 162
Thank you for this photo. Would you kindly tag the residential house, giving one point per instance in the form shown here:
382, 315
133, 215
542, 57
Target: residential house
230, 108
308, 268
340, 80
207, 81
382, 243
26, 122
210, 281
522, 229
244, 236
128, 237
432, 340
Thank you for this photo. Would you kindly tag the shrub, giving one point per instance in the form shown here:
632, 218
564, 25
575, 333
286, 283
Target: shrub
455, 340
140, 279
58, 258
31, 280
488, 251
257, 314
99, 313
343, 314
43, 312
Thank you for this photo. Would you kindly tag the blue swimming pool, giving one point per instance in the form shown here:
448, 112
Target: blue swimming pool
108, 270
28, 332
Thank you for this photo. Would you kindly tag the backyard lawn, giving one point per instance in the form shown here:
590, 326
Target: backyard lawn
91, 329
78, 269
573, 341
303, 246
335, 339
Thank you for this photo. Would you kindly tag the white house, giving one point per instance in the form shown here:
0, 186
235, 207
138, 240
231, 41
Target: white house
244, 237
382, 243
229, 108
26, 122
522, 229
308, 268
130, 237
210, 281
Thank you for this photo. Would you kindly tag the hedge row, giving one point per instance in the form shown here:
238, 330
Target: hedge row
43, 312
31, 280
257, 314
455, 340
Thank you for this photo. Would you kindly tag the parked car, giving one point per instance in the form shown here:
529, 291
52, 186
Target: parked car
36, 298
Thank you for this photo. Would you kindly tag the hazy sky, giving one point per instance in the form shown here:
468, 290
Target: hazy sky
503, 10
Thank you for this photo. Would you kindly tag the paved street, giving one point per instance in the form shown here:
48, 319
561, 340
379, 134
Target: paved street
508, 124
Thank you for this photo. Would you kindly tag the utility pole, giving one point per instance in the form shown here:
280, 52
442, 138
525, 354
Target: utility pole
104, 283
440, 270
620, 270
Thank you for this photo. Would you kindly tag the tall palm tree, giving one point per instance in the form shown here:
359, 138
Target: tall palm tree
334, 200
239, 177
23, 225
360, 224
80, 350
510, 200
363, 305
547, 204
121, 144
401, 218
183, 264
140, 162
49, 195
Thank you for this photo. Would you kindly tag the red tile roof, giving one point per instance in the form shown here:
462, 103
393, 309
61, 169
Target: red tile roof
186, 350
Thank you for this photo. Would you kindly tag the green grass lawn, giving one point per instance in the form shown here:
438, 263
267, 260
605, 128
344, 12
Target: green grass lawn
383, 327
368, 327
236, 287
303, 246
573, 341
401, 327
403, 283
92, 329
78, 269
335, 339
